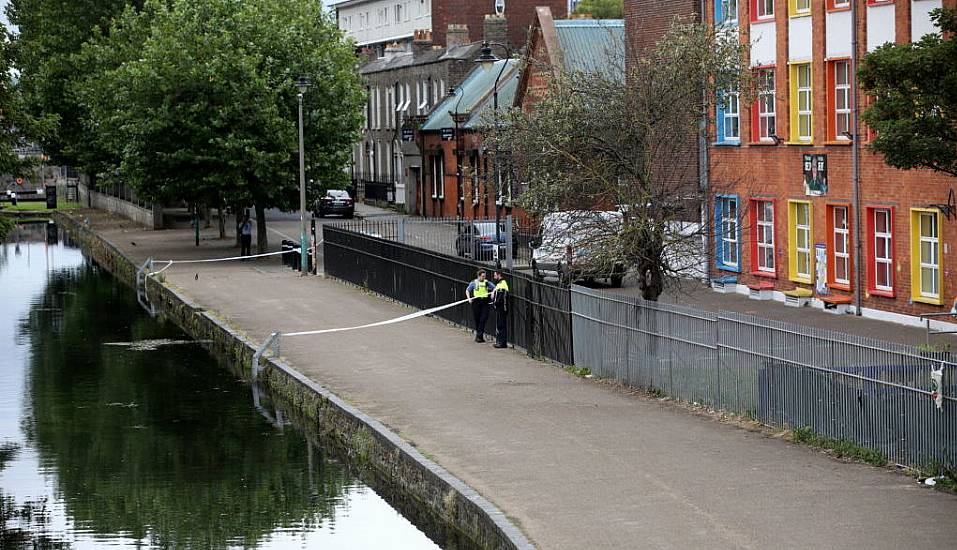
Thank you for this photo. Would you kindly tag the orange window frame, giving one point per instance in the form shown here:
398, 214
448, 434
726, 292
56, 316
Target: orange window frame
832, 100
832, 253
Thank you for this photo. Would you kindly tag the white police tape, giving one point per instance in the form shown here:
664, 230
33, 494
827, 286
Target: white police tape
169, 263
408, 317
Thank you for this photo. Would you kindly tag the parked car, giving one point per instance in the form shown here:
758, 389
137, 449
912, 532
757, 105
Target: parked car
335, 201
478, 241
569, 247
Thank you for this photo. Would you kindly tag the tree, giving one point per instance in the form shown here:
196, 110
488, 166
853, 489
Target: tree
49, 34
197, 100
601, 9
914, 87
601, 141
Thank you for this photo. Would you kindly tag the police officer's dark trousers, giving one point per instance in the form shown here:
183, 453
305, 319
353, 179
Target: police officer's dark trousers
501, 324
480, 314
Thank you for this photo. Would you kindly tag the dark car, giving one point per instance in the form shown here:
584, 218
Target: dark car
336, 201
478, 241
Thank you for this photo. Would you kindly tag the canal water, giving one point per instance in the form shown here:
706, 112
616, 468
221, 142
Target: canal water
118, 432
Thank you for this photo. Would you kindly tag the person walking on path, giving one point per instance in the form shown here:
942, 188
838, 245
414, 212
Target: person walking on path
245, 235
500, 303
478, 293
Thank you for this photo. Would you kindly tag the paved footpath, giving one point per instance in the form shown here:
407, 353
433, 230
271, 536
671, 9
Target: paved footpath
575, 463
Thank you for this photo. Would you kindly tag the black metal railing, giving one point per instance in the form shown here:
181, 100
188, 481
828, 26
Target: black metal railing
540, 318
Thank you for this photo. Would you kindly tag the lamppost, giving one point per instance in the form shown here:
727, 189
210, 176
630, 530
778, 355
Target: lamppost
487, 60
302, 84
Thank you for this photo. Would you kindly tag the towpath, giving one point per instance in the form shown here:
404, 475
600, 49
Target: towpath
575, 463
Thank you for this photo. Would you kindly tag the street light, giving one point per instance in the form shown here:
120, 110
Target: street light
487, 60
302, 85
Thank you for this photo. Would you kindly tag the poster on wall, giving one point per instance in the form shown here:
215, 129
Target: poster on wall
820, 268
815, 175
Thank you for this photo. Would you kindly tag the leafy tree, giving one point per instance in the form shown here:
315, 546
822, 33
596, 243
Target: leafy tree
17, 124
196, 100
49, 34
601, 141
601, 9
914, 111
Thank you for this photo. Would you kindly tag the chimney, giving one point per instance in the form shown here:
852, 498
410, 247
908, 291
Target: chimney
421, 42
392, 49
366, 54
496, 28
457, 35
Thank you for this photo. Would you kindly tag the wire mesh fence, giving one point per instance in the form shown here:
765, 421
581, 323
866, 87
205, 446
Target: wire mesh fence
370, 255
869, 392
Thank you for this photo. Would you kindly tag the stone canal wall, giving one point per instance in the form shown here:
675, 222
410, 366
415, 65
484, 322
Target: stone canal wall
370, 445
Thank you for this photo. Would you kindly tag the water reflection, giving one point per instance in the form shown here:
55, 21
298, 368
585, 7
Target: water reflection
134, 445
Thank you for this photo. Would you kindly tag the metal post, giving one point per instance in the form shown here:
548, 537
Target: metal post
856, 166
196, 222
303, 250
509, 260
401, 235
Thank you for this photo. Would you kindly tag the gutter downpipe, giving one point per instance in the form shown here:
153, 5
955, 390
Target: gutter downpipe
704, 169
856, 165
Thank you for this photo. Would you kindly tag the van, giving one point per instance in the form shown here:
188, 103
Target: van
569, 246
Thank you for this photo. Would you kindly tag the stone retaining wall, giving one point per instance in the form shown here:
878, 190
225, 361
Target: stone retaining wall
372, 447
150, 218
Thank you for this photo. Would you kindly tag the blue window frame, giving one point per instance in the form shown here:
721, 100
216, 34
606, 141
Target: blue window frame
727, 232
726, 13
728, 117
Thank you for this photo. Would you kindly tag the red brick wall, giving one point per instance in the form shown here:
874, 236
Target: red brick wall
520, 15
775, 172
647, 20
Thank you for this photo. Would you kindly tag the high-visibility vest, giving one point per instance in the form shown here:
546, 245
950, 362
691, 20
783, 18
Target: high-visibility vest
481, 289
502, 285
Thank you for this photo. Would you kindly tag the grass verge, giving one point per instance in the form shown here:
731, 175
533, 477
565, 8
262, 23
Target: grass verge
840, 448
41, 206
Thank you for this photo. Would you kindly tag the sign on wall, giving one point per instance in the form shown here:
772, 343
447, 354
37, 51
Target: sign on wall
408, 134
448, 134
815, 175
820, 268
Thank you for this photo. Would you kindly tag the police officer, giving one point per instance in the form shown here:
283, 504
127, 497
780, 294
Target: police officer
478, 293
500, 302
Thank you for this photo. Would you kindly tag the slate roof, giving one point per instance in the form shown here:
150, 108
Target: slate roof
406, 59
474, 96
593, 45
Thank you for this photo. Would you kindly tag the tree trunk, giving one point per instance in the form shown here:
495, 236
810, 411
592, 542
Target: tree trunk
650, 280
261, 242
222, 222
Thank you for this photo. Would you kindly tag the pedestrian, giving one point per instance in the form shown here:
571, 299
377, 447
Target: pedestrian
246, 235
478, 293
500, 303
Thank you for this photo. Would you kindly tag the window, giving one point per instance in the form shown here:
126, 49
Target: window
839, 96
438, 176
925, 256
726, 231
762, 237
880, 253
839, 245
838, 4
802, 113
398, 13
764, 118
726, 12
797, 8
762, 9
729, 116
800, 256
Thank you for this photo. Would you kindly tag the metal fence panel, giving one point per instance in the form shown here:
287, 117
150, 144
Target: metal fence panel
866, 391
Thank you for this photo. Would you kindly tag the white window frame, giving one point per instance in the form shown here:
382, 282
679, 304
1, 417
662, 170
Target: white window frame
802, 7
732, 115
841, 234
808, 112
884, 262
762, 9
729, 9
767, 106
842, 90
842, 3
934, 242
804, 229
765, 235
729, 232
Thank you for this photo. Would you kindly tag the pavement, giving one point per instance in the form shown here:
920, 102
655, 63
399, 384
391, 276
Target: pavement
575, 463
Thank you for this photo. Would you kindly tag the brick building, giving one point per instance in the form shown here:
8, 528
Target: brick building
785, 213
377, 24
402, 89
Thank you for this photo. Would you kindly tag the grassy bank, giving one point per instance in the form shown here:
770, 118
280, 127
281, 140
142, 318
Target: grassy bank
40, 206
